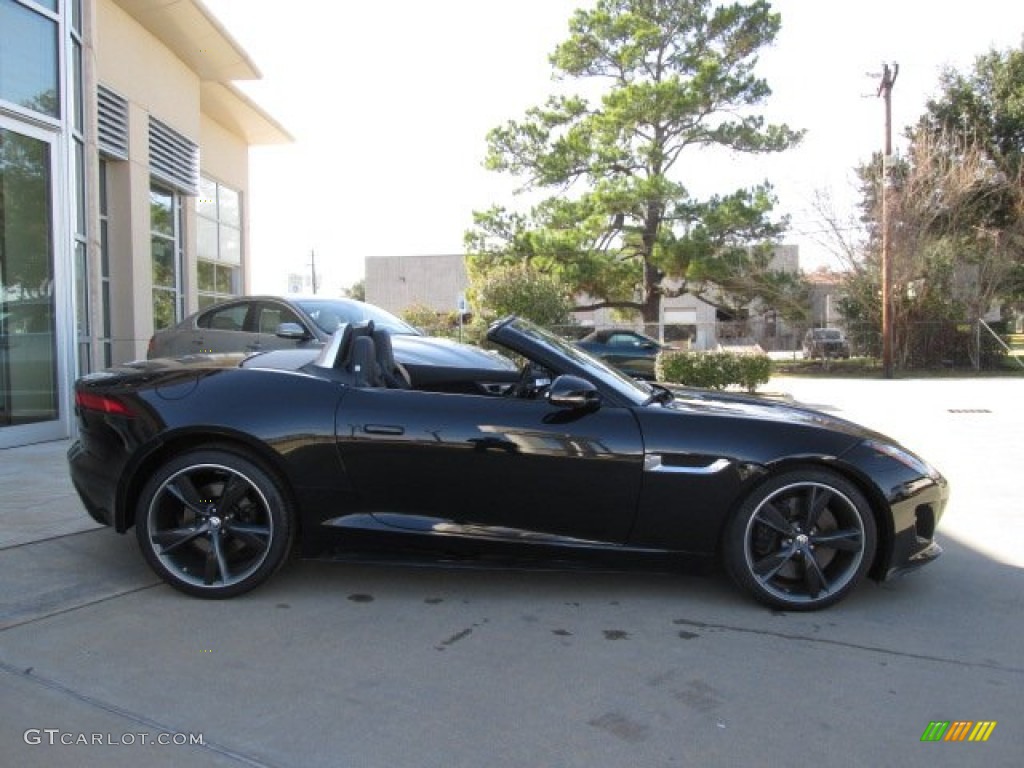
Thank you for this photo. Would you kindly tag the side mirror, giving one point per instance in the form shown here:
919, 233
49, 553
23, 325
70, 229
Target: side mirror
291, 331
573, 393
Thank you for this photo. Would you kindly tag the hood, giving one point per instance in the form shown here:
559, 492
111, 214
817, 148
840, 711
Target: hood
726, 405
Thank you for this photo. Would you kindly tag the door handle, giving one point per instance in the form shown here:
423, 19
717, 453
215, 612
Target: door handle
383, 429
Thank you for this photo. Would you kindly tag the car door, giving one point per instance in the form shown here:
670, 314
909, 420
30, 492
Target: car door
498, 465
223, 329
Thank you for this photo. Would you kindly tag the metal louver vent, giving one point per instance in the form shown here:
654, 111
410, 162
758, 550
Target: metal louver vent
113, 123
173, 158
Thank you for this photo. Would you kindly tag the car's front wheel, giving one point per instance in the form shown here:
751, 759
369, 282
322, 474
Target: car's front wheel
801, 541
213, 523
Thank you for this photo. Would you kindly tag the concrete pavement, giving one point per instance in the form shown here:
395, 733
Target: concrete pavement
340, 665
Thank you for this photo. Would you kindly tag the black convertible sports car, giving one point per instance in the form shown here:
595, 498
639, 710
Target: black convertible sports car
406, 446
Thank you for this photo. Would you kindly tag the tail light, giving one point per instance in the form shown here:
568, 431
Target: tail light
91, 401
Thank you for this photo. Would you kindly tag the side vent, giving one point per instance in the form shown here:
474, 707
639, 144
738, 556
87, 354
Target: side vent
173, 158
113, 123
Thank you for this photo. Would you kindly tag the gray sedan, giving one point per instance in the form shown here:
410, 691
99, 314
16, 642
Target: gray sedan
261, 323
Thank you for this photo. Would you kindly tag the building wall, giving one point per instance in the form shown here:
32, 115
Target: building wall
133, 62
399, 282
170, 61
225, 159
156, 83
435, 281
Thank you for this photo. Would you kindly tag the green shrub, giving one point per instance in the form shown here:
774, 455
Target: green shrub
714, 370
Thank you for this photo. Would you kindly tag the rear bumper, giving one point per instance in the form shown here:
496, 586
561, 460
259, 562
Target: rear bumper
92, 481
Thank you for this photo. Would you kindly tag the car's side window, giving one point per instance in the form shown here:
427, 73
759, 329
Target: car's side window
231, 318
622, 340
272, 316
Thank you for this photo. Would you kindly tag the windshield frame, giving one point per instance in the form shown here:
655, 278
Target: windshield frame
552, 351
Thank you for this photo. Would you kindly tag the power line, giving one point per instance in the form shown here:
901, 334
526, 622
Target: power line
885, 91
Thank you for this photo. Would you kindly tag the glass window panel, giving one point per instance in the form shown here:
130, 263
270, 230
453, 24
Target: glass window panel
104, 249
28, 361
228, 319
77, 85
163, 262
80, 187
76, 14
28, 58
230, 245
161, 211
229, 280
205, 277
84, 357
105, 287
230, 207
103, 187
206, 203
81, 289
165, 213
206, 238
163, 308
207, 301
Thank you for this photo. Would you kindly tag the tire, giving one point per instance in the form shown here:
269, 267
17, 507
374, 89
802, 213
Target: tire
213, 523
801, 541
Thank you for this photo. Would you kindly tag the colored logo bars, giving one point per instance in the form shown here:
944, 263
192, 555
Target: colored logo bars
958, 730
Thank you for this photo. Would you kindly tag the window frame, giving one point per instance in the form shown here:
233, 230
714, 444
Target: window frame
227, 273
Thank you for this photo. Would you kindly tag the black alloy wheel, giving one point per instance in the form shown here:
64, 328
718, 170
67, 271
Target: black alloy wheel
213, 524
801, 541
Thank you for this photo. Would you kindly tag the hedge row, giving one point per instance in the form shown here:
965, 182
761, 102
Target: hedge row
714, 370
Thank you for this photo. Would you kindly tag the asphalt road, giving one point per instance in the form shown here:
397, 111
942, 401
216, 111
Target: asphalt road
342, 665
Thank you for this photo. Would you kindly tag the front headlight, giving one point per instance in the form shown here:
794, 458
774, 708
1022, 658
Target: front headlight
904, 457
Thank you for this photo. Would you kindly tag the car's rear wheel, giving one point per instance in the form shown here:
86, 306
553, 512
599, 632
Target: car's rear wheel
801, 541
213, 523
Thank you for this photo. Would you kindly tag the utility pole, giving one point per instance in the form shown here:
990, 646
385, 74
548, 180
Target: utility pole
885, 91
312, 268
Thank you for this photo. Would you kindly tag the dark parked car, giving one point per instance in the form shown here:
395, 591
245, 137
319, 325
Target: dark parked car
826, 342
259, 323
632, 353
410, 447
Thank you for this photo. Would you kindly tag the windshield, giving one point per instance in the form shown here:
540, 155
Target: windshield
328, 314
634, 391
828, 335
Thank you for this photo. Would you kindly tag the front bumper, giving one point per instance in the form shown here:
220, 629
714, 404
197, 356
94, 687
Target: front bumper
915, 518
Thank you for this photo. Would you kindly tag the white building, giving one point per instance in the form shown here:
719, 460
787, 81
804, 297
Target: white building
124, 188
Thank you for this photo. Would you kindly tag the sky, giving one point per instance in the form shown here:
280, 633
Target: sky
390, 104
